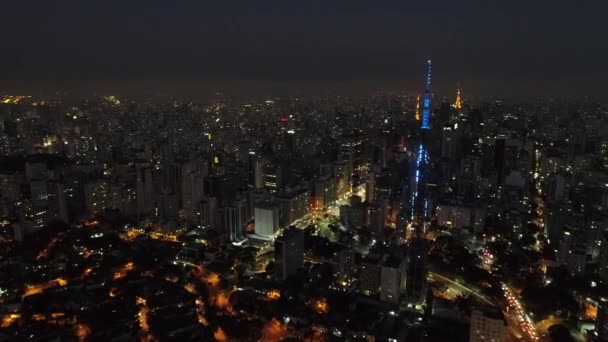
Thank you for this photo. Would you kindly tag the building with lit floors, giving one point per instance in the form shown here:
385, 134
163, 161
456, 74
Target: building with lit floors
289, 252
57, 202
234, 219
376, 215
369, 275
487, 325
208, 212
293, 205
601, 321
370, 186
392, 279
353, 215
273, 176
345, 259
419, 186
266, 218
420, 170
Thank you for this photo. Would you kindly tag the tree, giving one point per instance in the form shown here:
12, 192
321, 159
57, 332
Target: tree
560, 333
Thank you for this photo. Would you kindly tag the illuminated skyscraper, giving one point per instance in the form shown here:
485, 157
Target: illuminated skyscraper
420, 206
458, 102
289, 252
426, 104
417, 115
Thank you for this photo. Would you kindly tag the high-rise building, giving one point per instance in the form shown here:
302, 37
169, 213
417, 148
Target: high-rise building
273, 176
601, 320
57, 202
325, 192
420, 170
572, 251
392, 279
353, 215
417, 269
556, 187
39, 193
458, 102
266, 218
369, 275
376, 215
289, 252
370, 186
9, 185
426, 102
144, 189
419, 184
293, 205
344, 263
208, 212
36, 169
167, 204
499, 157
191, 188
97, 196
417, 113
255, 168
234, 220
450, 143
487, 325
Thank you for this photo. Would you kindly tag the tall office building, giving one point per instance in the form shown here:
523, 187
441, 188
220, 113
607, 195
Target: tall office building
370, 186
191, 188
9, 185
376, 215
39, 193
255, 168
499, 158
234, 219
420, 175
292, 205
144, 189
345, 260
266, 220
273, 176
208, 212
369, 275
417, 269
392, 279
556, 187
97, 196
487, 325
57, 202
289, 252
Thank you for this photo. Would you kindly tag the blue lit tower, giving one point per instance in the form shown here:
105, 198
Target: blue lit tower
426, 104
420, 201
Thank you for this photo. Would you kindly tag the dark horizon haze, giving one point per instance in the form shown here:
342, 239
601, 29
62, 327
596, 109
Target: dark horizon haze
515, 48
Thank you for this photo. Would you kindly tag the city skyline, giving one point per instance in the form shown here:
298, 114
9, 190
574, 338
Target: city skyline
309, 172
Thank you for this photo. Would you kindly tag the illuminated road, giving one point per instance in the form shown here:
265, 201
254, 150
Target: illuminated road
462, 288
543, 326
523, 320
520, 326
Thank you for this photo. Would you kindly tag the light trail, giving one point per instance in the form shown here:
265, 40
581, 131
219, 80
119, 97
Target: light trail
524, 321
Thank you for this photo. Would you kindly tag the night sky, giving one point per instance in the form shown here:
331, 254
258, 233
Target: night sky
489, 47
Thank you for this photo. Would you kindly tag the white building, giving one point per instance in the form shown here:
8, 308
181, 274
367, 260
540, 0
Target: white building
487, 325
392, 279
266, 220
